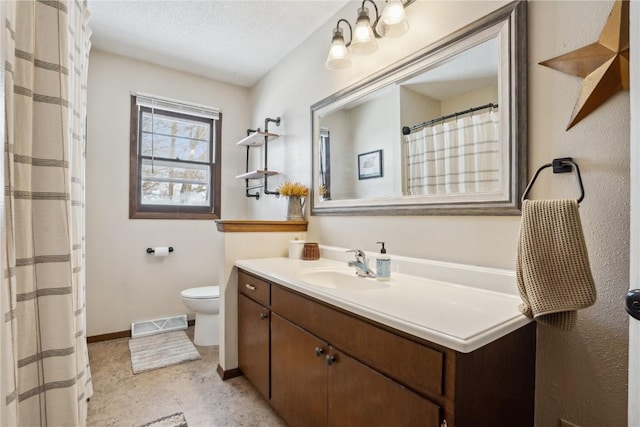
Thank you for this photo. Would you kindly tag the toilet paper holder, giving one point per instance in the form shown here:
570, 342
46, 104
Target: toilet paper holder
151, 250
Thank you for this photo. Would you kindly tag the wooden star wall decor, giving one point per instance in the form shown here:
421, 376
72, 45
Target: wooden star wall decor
603, 65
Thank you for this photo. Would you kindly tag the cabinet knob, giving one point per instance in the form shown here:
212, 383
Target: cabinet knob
330, 360
264, 315
250, 287
319, 351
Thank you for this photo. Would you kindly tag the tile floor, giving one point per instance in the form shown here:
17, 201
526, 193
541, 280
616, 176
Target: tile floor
123, 399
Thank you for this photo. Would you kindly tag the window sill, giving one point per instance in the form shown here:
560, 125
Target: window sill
253, 226
172, 215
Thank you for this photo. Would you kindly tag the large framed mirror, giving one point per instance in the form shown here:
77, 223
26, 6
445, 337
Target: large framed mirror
442, 132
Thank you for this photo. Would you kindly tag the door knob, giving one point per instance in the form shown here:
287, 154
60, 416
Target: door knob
632, 303
264, 315
319, 351
330, 360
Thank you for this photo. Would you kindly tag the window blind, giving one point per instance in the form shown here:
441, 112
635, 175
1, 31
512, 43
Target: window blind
167, 104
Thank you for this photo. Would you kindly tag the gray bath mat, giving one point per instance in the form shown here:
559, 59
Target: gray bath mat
158, 351
174, 420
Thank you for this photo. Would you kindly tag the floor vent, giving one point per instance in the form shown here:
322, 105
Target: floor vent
157, 326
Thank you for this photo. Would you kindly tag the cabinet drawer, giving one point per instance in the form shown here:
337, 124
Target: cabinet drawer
410, 363
257, 289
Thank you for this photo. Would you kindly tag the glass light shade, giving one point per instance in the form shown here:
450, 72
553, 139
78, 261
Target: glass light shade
364, 41
338, 58
393, 22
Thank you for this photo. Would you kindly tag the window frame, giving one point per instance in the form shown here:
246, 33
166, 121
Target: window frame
149, 211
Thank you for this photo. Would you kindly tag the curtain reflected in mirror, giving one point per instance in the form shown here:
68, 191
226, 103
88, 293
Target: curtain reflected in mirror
455, 156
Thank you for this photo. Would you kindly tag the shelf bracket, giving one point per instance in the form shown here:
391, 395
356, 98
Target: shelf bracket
268, 120
246, 181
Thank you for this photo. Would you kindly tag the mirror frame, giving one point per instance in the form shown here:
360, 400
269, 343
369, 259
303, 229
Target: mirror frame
513, 19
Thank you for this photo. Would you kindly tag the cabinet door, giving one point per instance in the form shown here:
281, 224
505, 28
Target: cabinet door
360, 396
253, 343
299, 375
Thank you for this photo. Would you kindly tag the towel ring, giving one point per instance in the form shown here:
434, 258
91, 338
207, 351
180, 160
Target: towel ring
563, 165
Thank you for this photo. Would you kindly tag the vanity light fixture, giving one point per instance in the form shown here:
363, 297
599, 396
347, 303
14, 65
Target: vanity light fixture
392, 23
339, 57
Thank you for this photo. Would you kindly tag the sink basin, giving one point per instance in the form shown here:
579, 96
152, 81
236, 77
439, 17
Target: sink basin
339, 279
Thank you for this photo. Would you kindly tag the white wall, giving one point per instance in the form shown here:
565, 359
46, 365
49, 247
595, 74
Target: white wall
474, 98
416, 107
581, 375
124, 284
375, 120
340, 149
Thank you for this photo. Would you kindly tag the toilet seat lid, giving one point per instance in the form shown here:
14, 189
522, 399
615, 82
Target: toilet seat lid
202, 292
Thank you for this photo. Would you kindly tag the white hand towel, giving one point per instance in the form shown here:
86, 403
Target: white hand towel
554, 276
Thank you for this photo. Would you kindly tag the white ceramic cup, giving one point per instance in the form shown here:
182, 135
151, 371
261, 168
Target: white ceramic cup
295, 249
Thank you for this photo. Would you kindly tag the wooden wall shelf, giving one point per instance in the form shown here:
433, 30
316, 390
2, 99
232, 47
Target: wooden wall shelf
257, 174
253, 226
257, 139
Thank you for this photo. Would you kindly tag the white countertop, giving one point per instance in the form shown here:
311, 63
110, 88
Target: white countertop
463, 318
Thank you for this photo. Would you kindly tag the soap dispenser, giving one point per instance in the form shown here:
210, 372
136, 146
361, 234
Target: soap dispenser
383, 264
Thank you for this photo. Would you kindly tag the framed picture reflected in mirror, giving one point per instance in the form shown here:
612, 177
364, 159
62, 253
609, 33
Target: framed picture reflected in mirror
370, 165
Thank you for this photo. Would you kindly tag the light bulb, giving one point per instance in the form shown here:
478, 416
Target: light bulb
393, 22
338, 58
393, 12
364, 41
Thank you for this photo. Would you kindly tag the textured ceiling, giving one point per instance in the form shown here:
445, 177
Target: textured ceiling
233, 41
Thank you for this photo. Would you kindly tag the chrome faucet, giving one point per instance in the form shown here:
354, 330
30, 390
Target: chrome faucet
361, 264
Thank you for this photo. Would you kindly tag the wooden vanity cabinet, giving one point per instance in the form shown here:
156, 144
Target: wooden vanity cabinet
298, 374
362, 397
254, 332
330, 367
314, 384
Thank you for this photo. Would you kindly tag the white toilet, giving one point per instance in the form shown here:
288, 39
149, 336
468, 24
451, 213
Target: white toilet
205, 303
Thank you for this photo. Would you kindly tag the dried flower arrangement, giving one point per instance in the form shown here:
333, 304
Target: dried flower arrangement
289, 188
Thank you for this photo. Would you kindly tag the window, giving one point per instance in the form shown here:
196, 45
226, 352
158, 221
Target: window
174, 160
325, 164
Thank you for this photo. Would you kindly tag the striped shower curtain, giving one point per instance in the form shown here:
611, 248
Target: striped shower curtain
44, 378
461, 156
